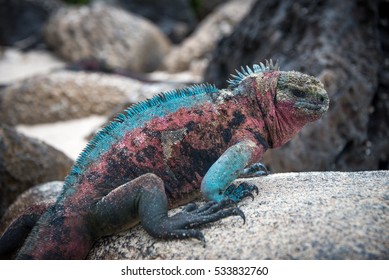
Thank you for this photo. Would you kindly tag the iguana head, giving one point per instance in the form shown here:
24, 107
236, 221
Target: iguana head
298, 99
287, 99
302, 96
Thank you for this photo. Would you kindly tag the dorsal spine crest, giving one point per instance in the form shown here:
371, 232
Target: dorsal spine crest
115, 129
256, 69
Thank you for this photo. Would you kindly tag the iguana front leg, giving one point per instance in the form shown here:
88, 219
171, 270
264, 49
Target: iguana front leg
144, 199
216, 184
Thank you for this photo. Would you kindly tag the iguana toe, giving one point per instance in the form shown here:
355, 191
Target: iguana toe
238, 192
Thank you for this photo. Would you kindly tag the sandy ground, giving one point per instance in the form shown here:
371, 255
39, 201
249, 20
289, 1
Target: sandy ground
16, 65
68, 136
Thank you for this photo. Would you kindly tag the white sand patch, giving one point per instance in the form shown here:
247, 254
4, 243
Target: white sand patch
16, 65
67, 136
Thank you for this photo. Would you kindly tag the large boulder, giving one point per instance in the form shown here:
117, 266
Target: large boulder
111, 35
66, 95
316, 215
193, 53
60, 95
26, 162
176, 19
338, 41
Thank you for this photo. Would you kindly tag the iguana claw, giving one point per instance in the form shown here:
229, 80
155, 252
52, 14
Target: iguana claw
238, 192
255, 170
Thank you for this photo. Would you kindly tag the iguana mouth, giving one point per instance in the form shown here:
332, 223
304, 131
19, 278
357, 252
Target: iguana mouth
311, 106
319, 104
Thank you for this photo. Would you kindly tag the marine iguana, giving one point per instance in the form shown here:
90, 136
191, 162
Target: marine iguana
167, 151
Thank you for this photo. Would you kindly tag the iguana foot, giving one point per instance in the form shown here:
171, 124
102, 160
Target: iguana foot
213, 207
255, 170
182, 224
147, 193
238, 192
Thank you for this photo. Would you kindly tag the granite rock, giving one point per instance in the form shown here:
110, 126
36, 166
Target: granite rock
66, 95
314, 215
26, 162
116, 37
317, 215
176, 19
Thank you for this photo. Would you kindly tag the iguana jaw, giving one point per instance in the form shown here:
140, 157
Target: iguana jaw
304, 93
316, 106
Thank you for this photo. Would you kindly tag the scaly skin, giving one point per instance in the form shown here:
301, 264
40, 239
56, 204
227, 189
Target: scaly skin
168, 151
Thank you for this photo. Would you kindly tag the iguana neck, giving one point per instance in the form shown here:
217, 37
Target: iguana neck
280, 122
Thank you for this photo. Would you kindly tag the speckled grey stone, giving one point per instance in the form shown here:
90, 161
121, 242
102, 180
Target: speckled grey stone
113, 36
316, 215
26, 162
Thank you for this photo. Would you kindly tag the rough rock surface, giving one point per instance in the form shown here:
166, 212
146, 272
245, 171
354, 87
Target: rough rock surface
318, 215
21, 21
111, 35
176, 19
195, 49
67, 95
26, 162
345, 53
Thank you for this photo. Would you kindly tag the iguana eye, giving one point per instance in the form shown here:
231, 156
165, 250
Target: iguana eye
298, 93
